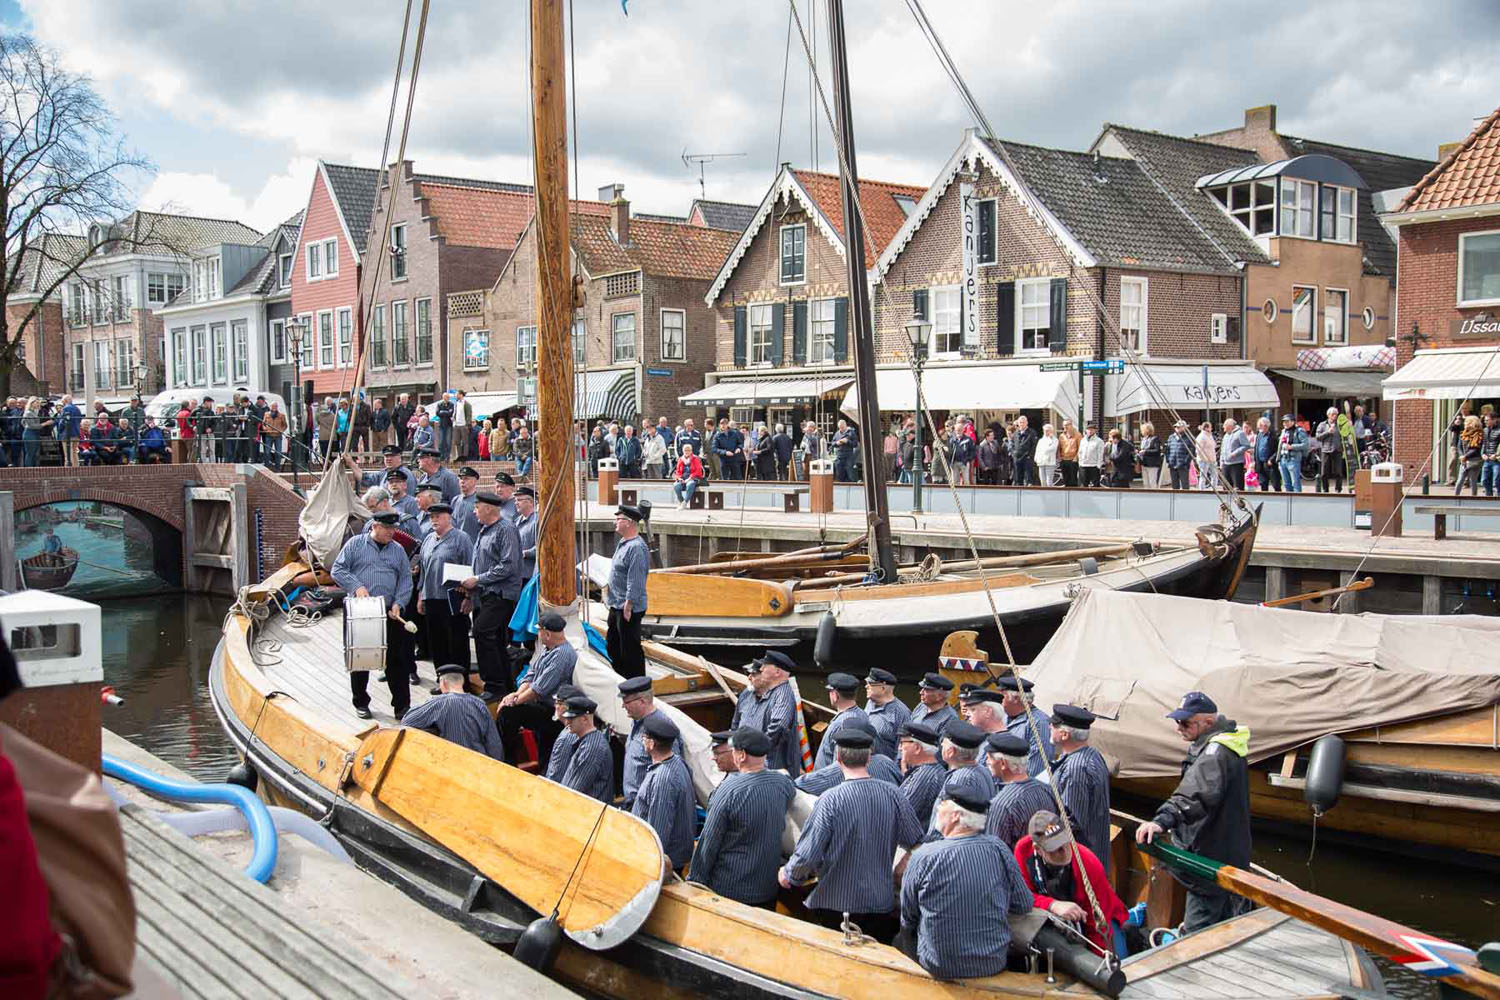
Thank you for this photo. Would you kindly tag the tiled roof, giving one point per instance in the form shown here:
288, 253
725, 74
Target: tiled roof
729, 215
158, 232
45, 260
473, 183
487, 215
1469, 176
883, 214
1381, 172
1112, 207
663, 249
655, 217
355, 190
1175, 164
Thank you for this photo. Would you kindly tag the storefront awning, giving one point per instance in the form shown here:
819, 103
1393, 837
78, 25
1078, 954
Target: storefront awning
609, 393
966, 388
780, 390
484, 404
1356, 384
1459, 373
1187, 387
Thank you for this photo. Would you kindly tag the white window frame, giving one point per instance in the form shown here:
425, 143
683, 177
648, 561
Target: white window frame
781, 253
421, 315
312, 264
580, 340
480, 362
615, 330
1459, 299
277, 336
239, 349
101, 310
120, 290
763, 311
955, 310
1339, 215
1145, 307
152, 298
822, 331
124, 358
1345, 320
78, 304
1313, 321
214, 273
1298, 187
103, 364
80, 366
218, 351
309, 355
284, 264
380, 347
400, 334
1218, 328
681, 315
327, 346
1045, 284
398, 251
179, 356
525, 348
344, 334
331, 256
198, 345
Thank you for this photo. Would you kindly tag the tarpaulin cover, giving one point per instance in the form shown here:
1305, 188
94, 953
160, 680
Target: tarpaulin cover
324, 520
1290, 676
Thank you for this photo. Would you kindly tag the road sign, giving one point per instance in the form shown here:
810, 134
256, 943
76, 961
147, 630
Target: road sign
1060, 366
1114, 366
659, 372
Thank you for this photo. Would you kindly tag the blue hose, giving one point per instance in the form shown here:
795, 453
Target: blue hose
262, 829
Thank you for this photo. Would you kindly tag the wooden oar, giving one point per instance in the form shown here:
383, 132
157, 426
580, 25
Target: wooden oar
1411, 949
1357, 585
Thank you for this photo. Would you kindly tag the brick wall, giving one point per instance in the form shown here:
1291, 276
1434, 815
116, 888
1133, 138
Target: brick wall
660, 394
321, 222
1322, 266
43, 347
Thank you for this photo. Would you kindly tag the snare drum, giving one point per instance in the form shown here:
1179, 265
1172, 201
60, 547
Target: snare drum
364, 633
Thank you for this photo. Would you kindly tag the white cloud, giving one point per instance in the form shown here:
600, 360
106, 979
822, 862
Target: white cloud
281, 196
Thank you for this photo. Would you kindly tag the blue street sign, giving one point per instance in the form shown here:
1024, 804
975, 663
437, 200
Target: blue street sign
661, 372
1114, 366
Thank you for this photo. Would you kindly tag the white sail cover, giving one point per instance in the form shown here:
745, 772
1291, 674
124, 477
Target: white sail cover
324, 519
1290, 676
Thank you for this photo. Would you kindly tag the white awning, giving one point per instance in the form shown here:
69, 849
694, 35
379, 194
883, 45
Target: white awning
768, 391
608, 393
1188, 387
998, 386
1357, 384
484, 404
1458, 373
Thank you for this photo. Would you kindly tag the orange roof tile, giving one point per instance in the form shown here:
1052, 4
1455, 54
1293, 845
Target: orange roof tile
483, 217
663, 249
1470, 175
877, 199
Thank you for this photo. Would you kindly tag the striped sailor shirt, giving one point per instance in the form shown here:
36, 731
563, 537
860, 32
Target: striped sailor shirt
562, 753
665, 800
1013, 806
954, 901
974, 779
921, 787
740, 847
887, 720
849, 843
591, 768
436, 552
775, 714
1018, 726
826, 748
818, 781
458, 717
638, 760
552, 670
1083, 783
939, 717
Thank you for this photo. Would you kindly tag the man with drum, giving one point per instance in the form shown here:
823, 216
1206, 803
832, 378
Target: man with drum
373, 565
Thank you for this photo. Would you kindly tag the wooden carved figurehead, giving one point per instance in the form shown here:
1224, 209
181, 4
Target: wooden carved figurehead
962, 661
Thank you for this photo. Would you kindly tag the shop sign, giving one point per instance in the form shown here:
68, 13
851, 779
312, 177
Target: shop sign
970, 318
1481, 327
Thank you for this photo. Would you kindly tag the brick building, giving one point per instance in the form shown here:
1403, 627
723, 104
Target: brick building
34, 297
1448, 298
645, 333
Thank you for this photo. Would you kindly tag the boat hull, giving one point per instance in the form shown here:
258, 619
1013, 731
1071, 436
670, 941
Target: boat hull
39, 572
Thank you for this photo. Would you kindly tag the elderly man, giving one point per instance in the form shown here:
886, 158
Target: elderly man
373, 565
923, 782
640, 704
958, 893
377, 499
961, 752
1023, 452
530, 705
562, 747
723, 754
845, 443
1232, 453
1209, 813
1180, 452
456, 715
740, 847
821, 779
431, 470
445, 608
849, 842
494, 587
526, 527
591, 768
1330, 451
1025, 720
1020, 795
1082, 778
505, 489
933, 693
1055, 870
841, 688
627, 594
463, 507
688, 473
390, 458
427, 495
769, 704
399, 483
665, 796
886, 713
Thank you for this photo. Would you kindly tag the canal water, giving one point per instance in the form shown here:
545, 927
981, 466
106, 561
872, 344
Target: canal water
157, 652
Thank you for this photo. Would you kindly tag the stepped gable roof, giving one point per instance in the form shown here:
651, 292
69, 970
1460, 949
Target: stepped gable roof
354, 191
883, 214
1469, 176
728, 215
663, 249
44, 261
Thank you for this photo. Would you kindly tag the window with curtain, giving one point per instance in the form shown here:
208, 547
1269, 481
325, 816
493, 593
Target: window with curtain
239, 335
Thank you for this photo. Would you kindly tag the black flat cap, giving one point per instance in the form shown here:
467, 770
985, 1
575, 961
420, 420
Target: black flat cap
386, 517
965, 796
626, 510
1008, 683
1008, 744
935, 682
721, 739
1072, 716
391, 449
504, 479
566, 691
773, 658
659, 727
853, 737
397, 473
921, 732
842, 682
551, 621
964, 735
635, 685
429, 488
451, 668
468, 472
578, 706
877, 675
983, 694
526, 491
750, 741
493, 499
440, 508
427, 453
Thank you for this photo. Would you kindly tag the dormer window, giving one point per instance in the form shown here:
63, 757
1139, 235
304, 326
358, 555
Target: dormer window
1309, 197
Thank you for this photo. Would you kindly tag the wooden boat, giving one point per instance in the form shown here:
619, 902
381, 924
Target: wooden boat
49, 570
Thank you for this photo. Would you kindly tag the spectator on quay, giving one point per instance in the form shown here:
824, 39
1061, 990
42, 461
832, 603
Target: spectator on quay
1121, 456
598, 448
380, 425
34, 426
1023, 452
781, 452
486, 431
1205, 451
765, 454
988, 458
654, 447
225, 425
132, 419
668, 438
342, 417
401, 418
463, 425
965, 451
153, 446
1046, 455
845, 442
1151, 457
273, 428
890, 452
1471, 457
106, 439
1490, 453
1232, 458
129, 440
258, 435
1181, 449
86, 454
521, 449
444, 413
184, 417
326, 423
1267, 470
1067, 453
10, 431
689, 474
1330, 452
364, 422
1090, 457
628, 453
424, 435
499, 441
68, 418
1291, 446
908, 455
203, 428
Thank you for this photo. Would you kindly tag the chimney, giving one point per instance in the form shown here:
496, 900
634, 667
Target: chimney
1263, 117
619, 215
610, 192
1446, 149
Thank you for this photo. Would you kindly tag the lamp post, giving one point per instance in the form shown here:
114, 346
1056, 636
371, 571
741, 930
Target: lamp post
917, 332
296, 328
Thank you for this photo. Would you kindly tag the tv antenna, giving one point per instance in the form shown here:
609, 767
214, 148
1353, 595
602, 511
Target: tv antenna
688, 159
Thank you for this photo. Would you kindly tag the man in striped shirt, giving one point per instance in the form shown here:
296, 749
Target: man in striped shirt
934, 692
456, 715
1020, 795
463, 507
819, 780
961, 752
841, 689
722, 751
1082, 778
924, 772
740, 847
591, 769
958, 893
640, 704
528, 706
849, 842
665, 798
562, 747
885, 712
1018, 709
770, 705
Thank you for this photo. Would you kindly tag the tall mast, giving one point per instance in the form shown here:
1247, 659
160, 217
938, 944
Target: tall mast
554, 307
859, 304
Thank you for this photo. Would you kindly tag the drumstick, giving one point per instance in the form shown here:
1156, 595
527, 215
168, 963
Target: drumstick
409, 626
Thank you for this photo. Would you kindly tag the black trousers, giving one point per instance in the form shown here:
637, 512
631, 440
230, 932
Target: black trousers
1330, 470
1090, 475
623, 643
1235, 473
1180, 476
447, 634
1070, 473
491, 628
398, 668
537, 717
1269, 473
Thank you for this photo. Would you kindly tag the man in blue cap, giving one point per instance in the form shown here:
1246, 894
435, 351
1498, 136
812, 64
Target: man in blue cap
1082, 778
494, 588
923, 782
390, 457
885, 711
962, 743
820, 779
640, 704
841, 689
665, 798
432, 471
591, 768
463, 507
441, 606
530, 705
769, 704
627, 594
740, 847
562, 747
933, 692
373, 565
1209, 813
456, 715
1018, 709
1020, 795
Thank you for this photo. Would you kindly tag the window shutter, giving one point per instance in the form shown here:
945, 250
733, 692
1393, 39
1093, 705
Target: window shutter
1057, 336
778, 328
799, 333
841, 331
1232, 330
1005, 307
739, 336
919, 304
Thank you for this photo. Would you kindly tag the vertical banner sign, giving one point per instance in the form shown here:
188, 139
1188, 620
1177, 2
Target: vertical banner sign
970, 314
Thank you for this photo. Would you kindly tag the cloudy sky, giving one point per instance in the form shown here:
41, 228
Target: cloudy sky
234, 100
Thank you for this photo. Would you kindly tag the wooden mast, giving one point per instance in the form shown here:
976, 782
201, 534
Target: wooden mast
859, 305
554, 308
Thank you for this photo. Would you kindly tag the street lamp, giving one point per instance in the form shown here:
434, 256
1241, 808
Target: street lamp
140, 378
296, 328
917, 332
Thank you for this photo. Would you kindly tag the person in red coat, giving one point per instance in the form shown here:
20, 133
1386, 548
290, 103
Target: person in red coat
1054, 868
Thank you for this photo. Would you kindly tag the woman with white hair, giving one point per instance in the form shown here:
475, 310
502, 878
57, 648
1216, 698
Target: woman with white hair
1207, 454
1046, 455
33, 429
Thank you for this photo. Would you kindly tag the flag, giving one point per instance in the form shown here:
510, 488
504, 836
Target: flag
624, 8
522, 623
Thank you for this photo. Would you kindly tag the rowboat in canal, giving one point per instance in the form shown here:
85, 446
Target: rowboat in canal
49, 570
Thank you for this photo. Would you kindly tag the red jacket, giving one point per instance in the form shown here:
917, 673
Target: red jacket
695, 471
1114, 910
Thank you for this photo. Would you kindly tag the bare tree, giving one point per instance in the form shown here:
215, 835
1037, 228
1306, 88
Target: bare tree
63, 171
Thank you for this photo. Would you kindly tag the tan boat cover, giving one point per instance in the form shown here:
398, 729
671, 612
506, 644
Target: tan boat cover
324, 521
1290, 676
